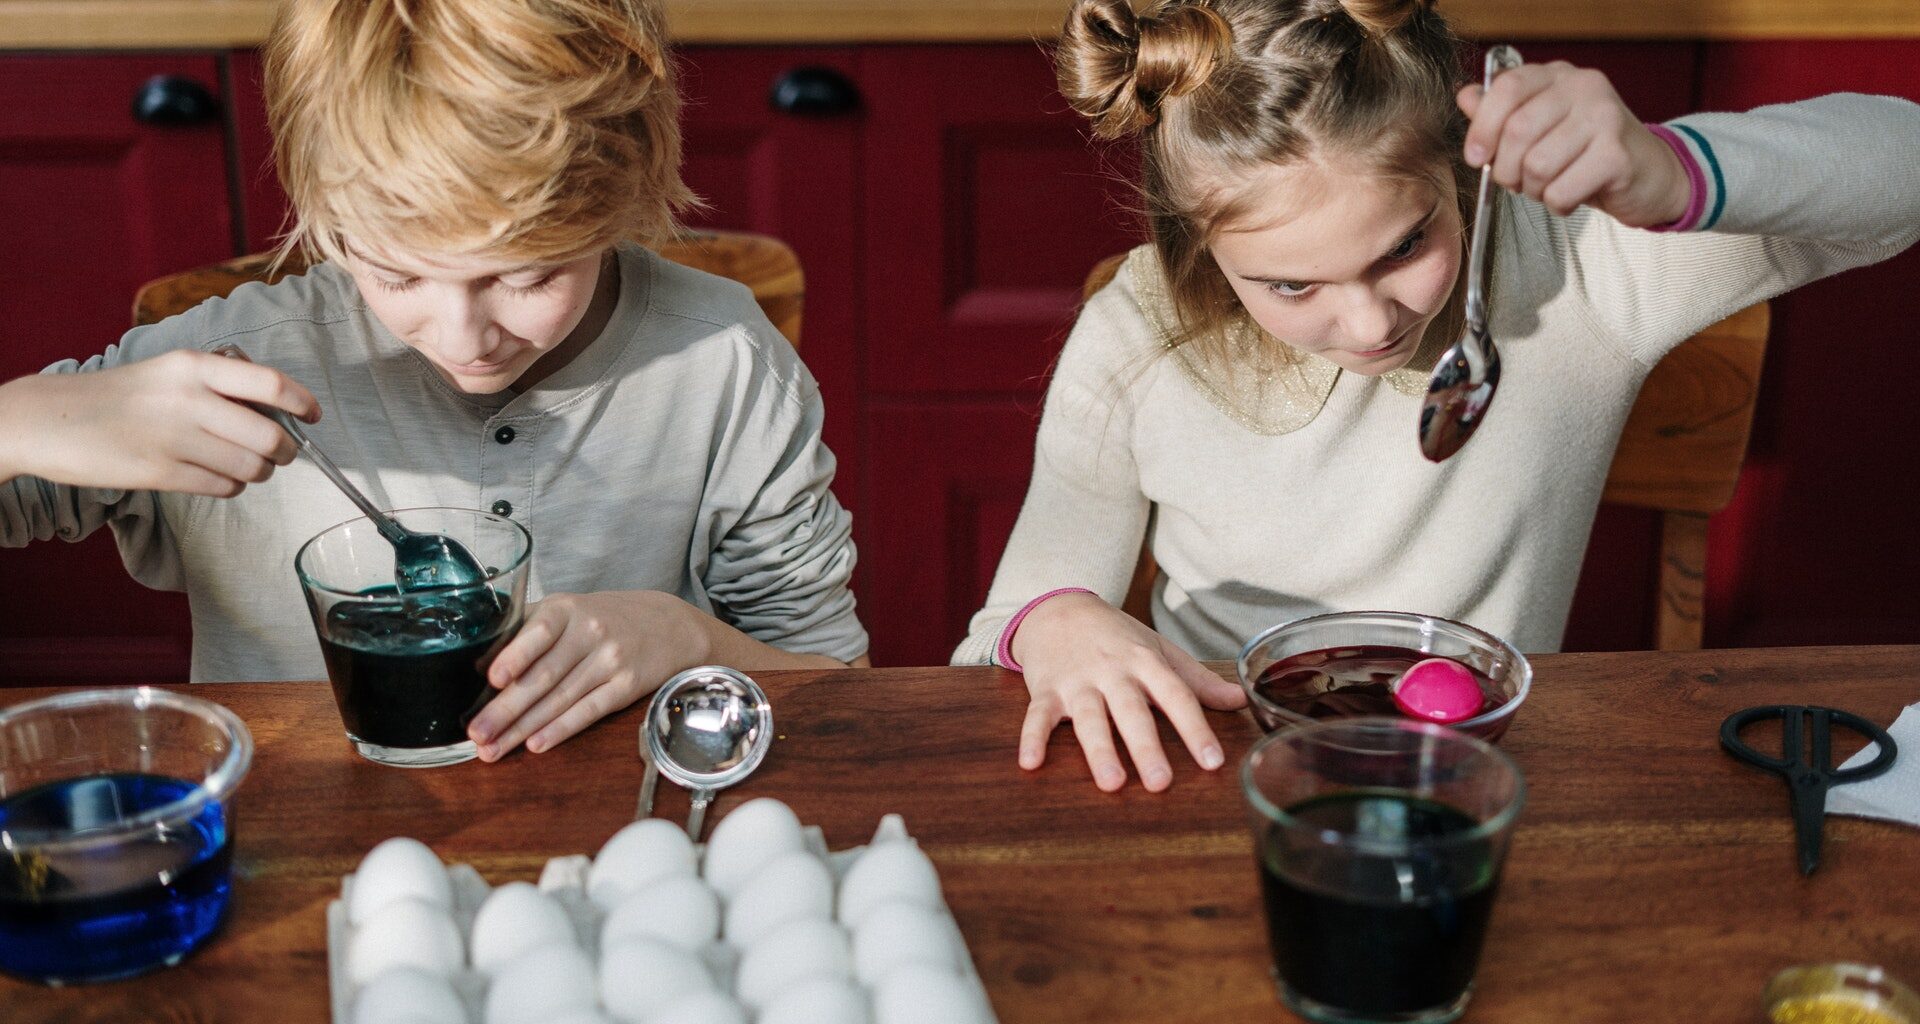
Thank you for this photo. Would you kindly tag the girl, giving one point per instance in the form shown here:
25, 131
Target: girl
1245, 392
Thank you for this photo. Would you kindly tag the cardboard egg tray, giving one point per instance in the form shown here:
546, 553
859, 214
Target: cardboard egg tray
565, 878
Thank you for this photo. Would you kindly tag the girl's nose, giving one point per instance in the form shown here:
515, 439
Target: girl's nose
1369, 319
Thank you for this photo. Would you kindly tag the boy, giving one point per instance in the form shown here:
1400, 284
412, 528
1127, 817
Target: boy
483, 333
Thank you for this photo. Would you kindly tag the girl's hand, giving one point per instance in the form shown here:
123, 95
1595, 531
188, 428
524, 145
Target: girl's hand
171, 423
1561, 135
579, 658
1089, 661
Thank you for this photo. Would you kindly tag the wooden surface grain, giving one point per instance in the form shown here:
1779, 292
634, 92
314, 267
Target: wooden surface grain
220, 24
1651, 876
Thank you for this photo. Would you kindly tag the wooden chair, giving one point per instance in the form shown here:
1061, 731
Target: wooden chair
762, 263
1679, 455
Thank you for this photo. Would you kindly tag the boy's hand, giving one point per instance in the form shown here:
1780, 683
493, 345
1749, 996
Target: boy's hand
171, 423
579, 658
1562, 135
1089, 661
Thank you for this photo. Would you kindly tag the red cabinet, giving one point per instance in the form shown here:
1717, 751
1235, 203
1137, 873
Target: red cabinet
92, 203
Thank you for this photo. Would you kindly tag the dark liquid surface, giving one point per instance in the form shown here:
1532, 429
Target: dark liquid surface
412, 672
1377, 934
1341, 682
94, 914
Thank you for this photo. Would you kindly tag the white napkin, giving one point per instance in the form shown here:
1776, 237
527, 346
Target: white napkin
1894, 796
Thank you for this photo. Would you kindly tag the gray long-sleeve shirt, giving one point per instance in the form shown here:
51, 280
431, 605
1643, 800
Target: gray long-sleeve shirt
679, 452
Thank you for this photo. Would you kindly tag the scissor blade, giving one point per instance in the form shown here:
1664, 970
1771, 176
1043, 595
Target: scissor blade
1809, 815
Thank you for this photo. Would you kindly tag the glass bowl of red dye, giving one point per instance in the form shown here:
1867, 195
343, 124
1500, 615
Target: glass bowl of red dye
1344, 665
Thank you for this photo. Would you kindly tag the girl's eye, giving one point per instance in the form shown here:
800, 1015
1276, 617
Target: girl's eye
1289, 289
529, 289
1408, 249
396, 286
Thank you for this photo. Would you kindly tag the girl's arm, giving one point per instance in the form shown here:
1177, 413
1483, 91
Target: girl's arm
1741, 207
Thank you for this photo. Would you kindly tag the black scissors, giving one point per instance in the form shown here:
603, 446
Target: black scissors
1808, 780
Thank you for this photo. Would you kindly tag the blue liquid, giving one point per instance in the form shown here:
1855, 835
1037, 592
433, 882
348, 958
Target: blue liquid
141, 903
412, 672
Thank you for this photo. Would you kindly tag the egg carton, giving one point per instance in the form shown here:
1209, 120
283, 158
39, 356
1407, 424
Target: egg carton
565, 879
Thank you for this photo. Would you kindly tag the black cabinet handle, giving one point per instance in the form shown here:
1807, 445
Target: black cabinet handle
170, 100
815, 92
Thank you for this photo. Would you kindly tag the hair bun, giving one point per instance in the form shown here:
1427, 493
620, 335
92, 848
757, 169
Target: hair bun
1381, 17
1116, 67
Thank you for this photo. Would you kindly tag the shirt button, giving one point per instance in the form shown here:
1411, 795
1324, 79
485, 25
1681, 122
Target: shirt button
504, 435
503, 508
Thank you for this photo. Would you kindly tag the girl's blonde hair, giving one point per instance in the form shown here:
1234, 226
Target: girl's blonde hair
532, 130
1219, 87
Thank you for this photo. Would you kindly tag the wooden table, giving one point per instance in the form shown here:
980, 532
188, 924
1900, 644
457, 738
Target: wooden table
1651, 879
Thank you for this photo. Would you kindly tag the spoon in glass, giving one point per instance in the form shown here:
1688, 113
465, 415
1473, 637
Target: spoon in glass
421, 561
1464, 379
707, 728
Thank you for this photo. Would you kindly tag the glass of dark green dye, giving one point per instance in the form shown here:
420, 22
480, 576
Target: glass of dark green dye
409, 669
1379, 843
116, 831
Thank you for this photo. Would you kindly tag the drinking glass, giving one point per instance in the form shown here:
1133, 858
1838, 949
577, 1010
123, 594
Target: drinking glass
116, 825
409, 670
1380, 843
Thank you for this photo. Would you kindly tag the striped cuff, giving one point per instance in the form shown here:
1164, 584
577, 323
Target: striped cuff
1003, 651
1707, 187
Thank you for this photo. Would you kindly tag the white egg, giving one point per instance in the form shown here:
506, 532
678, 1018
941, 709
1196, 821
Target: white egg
635, 857
800, 950
515, 918
753, 834
396, 869
540, 985
793, 885
639, 977
580, 1017
929, 995
701, 1008
680, 911
820, 1001
888, 872
408, 995
895, 934
405, 933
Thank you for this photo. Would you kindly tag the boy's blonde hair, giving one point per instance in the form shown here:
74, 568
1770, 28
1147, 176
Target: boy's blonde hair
1219, 87
524, 130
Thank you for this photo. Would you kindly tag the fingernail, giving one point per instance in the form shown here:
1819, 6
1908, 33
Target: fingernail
479, 733
1112, 778
487, 754
536, 744
1156, 778
1212, 758
1476, 154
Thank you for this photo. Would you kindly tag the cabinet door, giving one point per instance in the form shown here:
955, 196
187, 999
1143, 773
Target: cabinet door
93, 203
790, 174
985, 208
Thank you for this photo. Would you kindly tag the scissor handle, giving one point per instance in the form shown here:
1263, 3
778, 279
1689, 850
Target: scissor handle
1791, 715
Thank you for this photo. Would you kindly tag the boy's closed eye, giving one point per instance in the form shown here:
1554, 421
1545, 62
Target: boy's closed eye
537, 284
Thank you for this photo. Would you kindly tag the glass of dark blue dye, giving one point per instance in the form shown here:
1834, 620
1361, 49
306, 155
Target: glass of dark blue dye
1379, 843
116, 831
409, 670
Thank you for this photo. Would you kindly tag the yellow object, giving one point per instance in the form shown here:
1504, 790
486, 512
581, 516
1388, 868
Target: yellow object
1839, 993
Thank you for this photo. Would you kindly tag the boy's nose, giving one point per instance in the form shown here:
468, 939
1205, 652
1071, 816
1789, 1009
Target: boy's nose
463, 332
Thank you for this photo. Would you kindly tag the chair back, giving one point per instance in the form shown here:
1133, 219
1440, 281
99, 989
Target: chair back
1680, 455
765, 264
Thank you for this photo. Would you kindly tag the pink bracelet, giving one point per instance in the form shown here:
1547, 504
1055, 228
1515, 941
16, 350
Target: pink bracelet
1696, 181
1003, 652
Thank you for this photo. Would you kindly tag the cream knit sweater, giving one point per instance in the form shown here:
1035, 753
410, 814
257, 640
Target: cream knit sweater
1251, 528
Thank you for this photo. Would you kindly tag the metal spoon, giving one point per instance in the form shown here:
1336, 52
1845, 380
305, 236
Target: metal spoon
1469, 370
707, 728
421, 561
